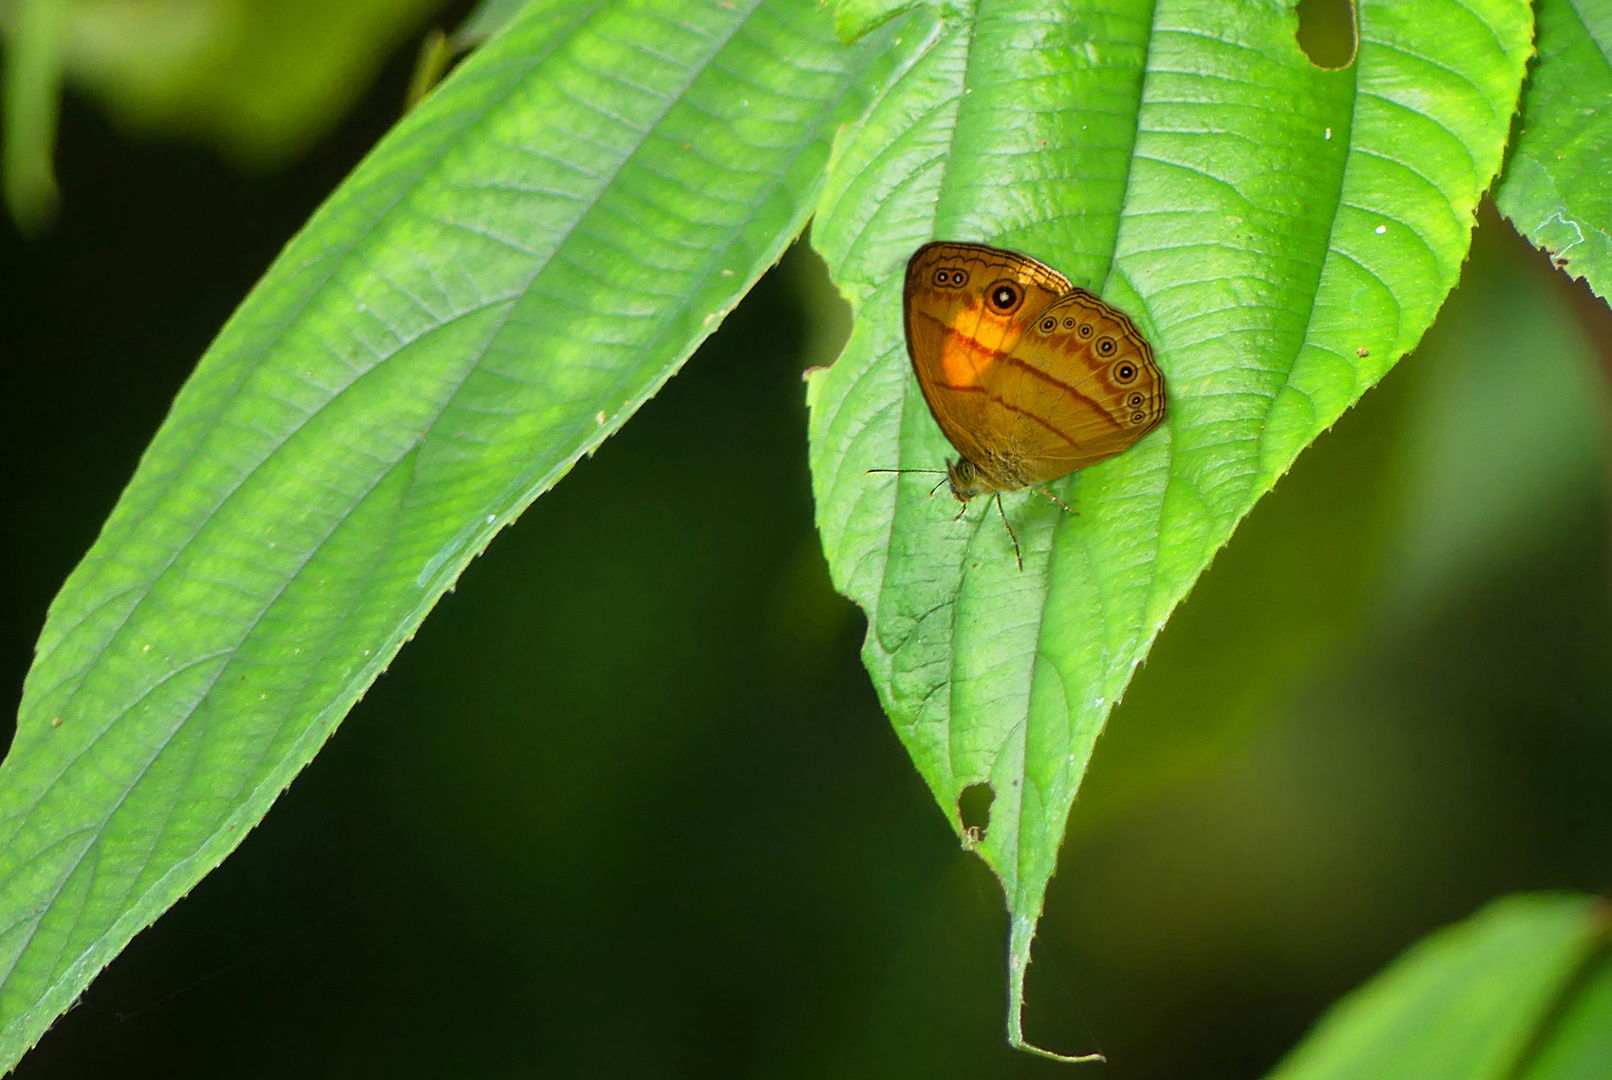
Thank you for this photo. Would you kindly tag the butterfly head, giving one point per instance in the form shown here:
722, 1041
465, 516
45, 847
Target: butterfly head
967, 479
962, 477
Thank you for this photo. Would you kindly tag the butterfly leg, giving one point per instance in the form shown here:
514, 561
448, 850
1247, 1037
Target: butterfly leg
1045, 494
1017, 556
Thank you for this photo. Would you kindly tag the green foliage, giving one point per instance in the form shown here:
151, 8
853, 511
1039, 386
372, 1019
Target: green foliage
544, 241
511, 273
1282, 234
1555, 189
489, 17
855, 18
1473, 1002
1578, 1045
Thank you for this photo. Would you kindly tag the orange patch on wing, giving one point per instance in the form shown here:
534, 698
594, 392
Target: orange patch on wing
968, 356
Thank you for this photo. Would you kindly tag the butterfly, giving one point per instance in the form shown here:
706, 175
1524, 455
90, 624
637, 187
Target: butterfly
1029, 377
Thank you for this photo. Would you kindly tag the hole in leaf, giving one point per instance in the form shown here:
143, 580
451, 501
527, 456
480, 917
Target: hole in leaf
974, 809
1328, 33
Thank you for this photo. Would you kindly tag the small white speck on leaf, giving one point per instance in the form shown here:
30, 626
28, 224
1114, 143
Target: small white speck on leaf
491, 518
1381, 229
599, 418
727, 273
145, 648
56, 722
1328, 134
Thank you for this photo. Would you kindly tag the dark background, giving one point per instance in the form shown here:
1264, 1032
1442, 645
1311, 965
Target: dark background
628, 805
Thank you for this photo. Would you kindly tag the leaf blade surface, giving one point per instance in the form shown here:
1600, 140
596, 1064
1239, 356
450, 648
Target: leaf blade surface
510, 274
1282, 233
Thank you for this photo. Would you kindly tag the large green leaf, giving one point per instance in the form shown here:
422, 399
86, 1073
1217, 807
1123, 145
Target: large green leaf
1558, 185
1282, 234
516, 268
1468, 1003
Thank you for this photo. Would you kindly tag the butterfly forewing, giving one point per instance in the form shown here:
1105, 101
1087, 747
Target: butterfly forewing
958, 331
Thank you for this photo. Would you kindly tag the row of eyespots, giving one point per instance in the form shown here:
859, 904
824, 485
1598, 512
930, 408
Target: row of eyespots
1105, 344
951, 278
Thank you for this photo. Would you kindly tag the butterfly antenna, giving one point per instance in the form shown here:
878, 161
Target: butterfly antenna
1045, 494
1017, 556
937, 487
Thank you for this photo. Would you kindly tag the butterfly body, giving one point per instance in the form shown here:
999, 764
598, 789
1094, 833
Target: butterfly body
1029, 377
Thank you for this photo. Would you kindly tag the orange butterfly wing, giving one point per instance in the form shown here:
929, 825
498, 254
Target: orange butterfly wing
1028, 377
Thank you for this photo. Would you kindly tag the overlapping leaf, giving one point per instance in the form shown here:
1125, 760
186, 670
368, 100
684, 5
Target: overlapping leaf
511, 273
1556, 187
1282, 233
